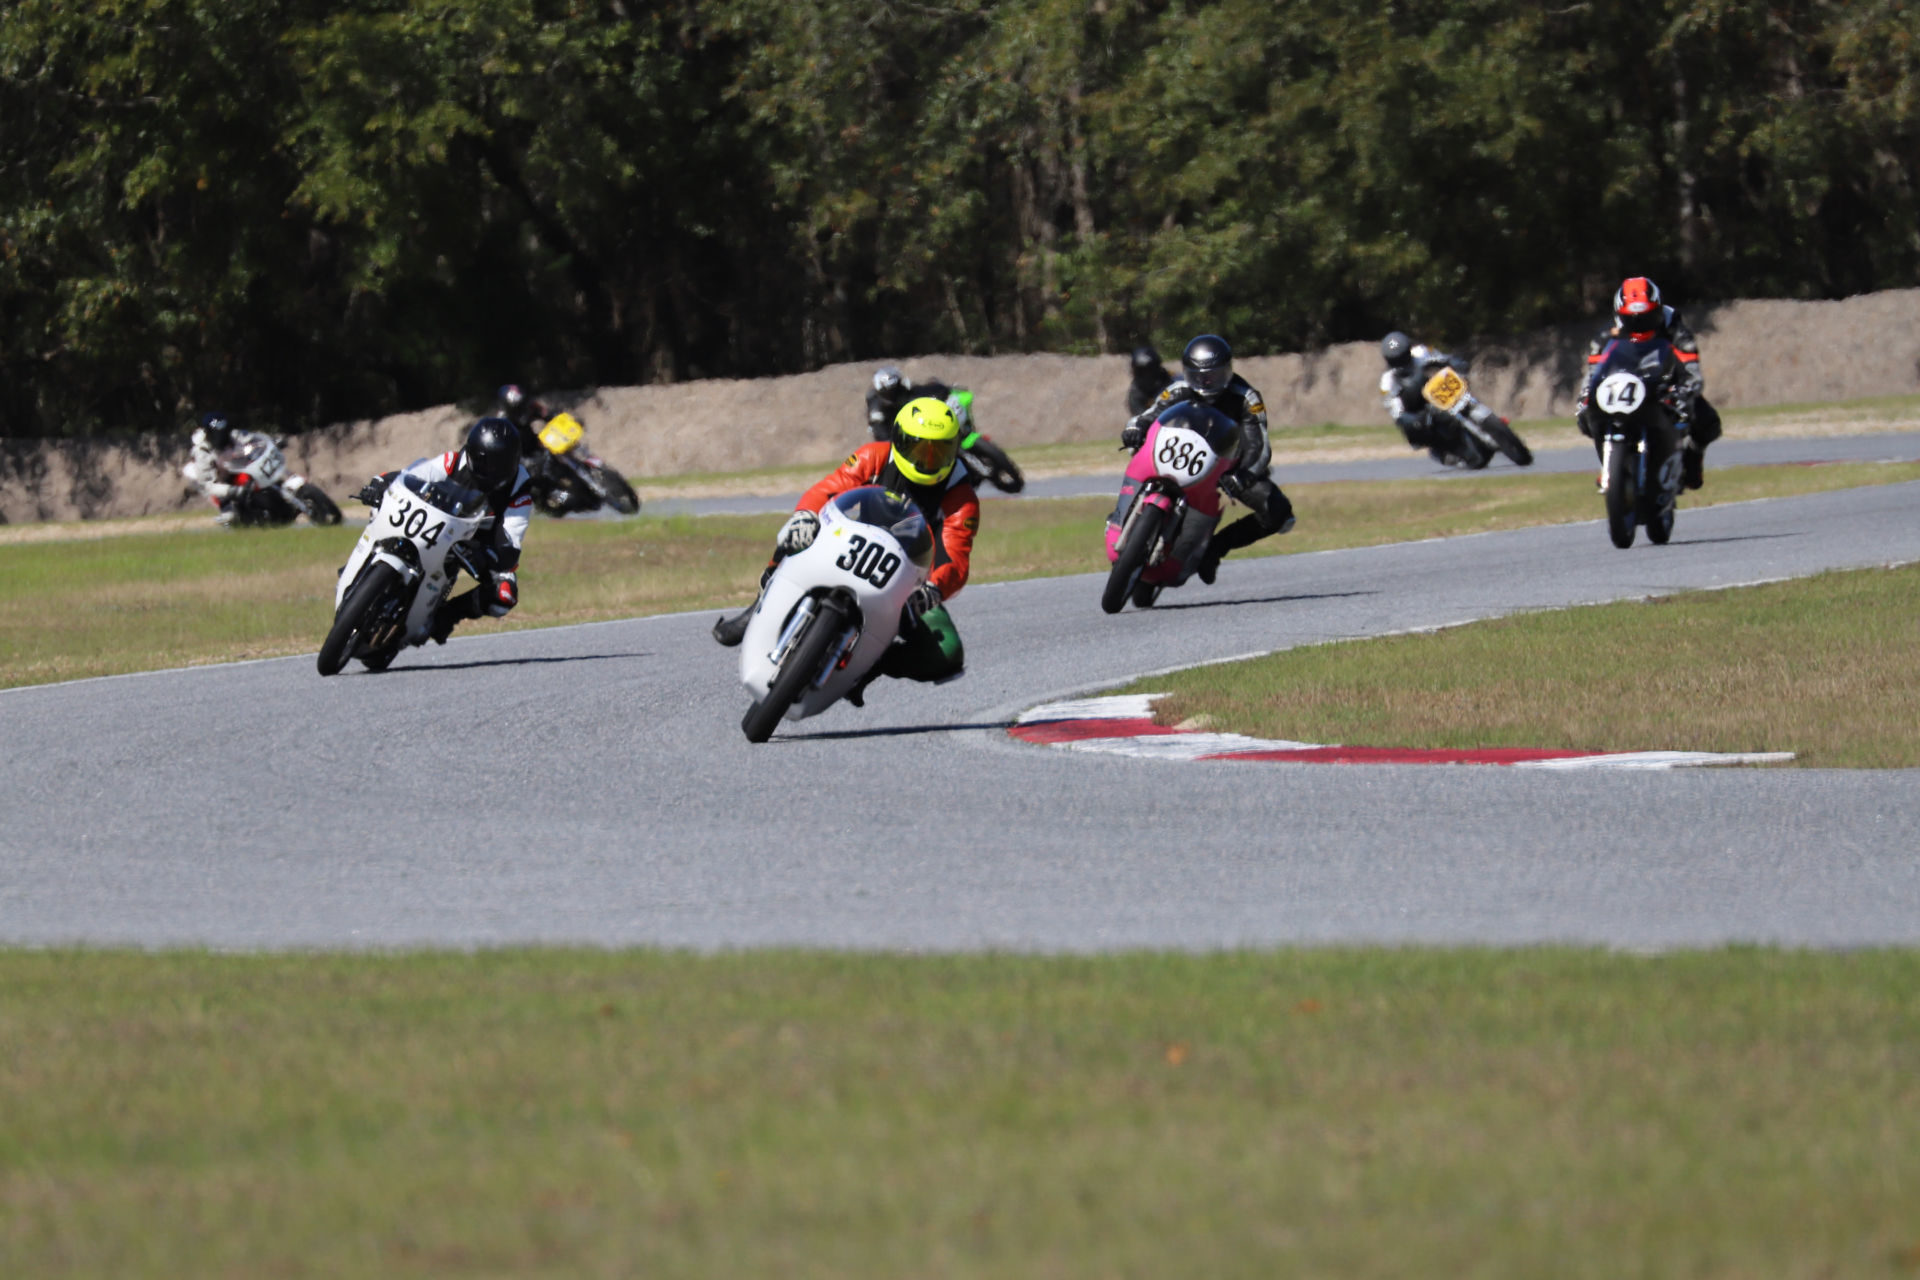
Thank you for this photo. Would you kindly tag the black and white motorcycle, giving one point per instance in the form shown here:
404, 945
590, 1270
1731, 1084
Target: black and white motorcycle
265, 493
418, 539
829, 612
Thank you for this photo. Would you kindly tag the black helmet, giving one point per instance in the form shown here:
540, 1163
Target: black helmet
1208, 365
492, 452
217, 429
1145, 358
1396, 348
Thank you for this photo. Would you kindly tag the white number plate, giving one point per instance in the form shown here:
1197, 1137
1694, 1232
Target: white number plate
1620, 393
1183, 456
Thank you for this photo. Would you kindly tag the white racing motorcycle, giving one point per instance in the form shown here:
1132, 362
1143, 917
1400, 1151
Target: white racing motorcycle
828, 613
404, 565
269, 495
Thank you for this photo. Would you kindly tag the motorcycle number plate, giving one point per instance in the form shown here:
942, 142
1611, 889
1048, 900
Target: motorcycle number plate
1444, 389
1182, 455
562, 432
1620, 393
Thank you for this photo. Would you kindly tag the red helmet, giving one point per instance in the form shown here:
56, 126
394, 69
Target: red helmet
1636, 305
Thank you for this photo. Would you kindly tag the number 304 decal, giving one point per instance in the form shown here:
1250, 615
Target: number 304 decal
412, 521
870, 561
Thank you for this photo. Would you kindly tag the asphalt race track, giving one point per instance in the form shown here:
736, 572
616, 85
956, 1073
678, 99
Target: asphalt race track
591, 785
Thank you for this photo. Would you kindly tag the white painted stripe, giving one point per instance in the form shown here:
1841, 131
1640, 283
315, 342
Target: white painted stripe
1659, 760
1132, 706
1192, 746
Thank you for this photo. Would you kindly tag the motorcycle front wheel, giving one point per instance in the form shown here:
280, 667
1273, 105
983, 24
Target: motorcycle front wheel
1135, 547
320, 508
993, 462
801, 665
1508, 441
1621, 499
355, 611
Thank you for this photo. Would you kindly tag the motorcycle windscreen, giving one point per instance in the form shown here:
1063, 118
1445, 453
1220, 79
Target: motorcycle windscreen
241, 456
450, 497
894, 512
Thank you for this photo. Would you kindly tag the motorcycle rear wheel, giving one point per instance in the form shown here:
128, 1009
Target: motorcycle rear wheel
620, 494
1621, 498
1144, 594
797, 671
320, 508
994, 463
1509, 442
1135, 547
366, 596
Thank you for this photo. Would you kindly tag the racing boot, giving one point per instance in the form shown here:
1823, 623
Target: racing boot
1692, 465
451, 613
730, 631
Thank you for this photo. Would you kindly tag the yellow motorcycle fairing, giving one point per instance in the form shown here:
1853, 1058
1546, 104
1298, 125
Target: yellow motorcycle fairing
1445, 389
562, 432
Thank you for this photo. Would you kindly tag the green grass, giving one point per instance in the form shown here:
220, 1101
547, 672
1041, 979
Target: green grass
142, 601
1356, 1113
1822, 667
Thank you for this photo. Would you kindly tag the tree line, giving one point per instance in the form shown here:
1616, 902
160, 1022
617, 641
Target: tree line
310, 210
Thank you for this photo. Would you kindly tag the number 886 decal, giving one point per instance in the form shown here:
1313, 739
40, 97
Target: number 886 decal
869, 561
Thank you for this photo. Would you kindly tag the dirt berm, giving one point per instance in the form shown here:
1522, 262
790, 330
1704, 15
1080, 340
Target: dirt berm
1755, 353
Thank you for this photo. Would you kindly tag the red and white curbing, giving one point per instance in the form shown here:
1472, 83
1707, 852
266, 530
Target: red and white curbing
1124, 726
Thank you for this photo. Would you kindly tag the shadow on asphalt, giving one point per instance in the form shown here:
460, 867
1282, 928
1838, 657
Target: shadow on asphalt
1745, 537
890, 731
506, 662
1289, 599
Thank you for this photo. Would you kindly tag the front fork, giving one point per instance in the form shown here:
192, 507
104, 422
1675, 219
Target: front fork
1174, 504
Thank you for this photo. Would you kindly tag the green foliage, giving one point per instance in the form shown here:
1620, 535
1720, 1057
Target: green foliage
308, 211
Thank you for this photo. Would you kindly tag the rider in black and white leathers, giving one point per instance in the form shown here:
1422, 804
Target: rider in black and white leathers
1208, 378
214, 436
498, 563
1410, 366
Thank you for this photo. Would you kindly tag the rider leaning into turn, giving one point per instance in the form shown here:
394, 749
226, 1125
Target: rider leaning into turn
490, 462
1640, 316
918, 460
1207, 376
1410, 366
213, 437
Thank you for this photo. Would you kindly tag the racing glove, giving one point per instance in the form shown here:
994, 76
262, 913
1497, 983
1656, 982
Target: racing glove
925, 596
1235, 484
1134, 434
798, 533
375, 489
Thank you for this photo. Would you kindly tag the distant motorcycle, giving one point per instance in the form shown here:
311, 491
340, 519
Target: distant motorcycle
266, 494
417, 540
1641, 440
1169, 504
567, 477
1466, 442
829, 612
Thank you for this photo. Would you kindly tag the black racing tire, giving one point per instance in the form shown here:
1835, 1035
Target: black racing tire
1509, 442
1135, 548
796, 672
620, 494
999, 469
379, 661
1145, 594
366, 596
1621, 499
321, 510
1658, 517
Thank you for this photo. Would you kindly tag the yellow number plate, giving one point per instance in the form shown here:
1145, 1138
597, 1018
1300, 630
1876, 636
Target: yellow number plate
1444, 389
563, 431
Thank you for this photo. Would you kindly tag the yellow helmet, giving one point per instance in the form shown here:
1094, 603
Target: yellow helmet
926, 440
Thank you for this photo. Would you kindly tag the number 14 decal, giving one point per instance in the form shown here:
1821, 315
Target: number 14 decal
869, 560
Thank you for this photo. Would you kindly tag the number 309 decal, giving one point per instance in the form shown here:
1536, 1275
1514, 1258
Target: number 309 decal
870, 561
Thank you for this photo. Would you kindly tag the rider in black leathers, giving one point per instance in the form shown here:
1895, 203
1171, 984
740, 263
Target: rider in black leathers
1150, 378
1208, 377
1640, 314
1410, 366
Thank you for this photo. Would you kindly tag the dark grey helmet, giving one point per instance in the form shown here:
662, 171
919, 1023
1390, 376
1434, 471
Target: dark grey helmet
492, 452
1396, 348
1207, 364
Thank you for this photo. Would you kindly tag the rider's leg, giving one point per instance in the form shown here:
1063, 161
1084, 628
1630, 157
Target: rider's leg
1702, 431
730, 630
1271, 513
928, 651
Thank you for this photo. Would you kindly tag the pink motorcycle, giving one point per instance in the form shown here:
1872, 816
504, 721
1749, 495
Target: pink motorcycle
1169, 504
